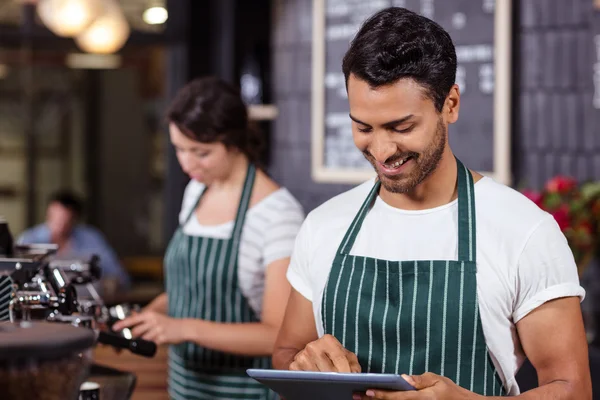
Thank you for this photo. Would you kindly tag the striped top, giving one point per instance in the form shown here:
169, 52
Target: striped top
268, 235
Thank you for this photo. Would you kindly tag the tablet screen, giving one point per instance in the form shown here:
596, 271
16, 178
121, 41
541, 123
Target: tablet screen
302, 385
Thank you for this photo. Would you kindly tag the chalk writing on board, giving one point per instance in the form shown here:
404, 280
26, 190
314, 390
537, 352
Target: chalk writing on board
597, 73
470, 24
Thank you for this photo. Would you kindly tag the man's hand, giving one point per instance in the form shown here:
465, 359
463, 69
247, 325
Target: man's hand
325, 355
429, 387
153, 326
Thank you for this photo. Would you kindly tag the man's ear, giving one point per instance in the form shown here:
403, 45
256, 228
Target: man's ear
452, 105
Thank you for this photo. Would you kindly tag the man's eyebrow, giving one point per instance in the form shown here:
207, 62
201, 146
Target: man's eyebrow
387, 124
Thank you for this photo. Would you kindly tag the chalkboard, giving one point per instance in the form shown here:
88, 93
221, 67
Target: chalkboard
480, 30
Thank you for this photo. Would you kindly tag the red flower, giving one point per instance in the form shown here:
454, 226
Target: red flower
561, 184
534, 196
562, 217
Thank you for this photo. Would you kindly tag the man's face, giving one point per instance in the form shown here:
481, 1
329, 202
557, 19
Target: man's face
60, 220
399, 131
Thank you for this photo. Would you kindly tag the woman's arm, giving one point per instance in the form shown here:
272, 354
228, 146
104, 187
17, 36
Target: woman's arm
249, 339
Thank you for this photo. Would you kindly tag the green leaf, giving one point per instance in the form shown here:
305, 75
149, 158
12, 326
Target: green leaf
590, 190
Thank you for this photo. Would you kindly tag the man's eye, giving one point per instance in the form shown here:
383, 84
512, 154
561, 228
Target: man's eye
406, 130
364, 130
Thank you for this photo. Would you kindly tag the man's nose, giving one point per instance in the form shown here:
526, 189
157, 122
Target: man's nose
382, 148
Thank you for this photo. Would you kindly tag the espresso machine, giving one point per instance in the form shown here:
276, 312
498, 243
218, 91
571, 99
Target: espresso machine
36, 288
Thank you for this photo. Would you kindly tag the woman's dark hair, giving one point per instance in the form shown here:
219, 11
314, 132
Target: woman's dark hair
396, 43
210, 110
68, 200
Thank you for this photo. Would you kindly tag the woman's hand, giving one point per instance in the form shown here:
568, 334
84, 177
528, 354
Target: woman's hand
154, 326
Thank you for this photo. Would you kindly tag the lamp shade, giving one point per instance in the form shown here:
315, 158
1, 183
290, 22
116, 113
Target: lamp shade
107, 34
68, 18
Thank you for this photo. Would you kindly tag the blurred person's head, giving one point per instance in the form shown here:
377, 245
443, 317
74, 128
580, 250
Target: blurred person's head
400, 75
63, 212
209, 128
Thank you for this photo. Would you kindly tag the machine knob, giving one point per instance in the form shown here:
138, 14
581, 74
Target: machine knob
67, 300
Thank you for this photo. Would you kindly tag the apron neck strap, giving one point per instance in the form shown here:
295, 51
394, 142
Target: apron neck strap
240, 217
467, 248
242, 208
352, 232
466, 216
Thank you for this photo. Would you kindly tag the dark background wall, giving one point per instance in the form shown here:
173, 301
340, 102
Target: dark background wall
291, 52
554, 126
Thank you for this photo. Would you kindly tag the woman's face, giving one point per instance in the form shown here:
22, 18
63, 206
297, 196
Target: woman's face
203, 162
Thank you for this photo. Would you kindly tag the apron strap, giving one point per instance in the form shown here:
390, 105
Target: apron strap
185, 221
352, 232
466, 216
243, 207
467, 249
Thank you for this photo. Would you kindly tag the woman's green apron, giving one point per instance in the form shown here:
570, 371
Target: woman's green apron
202, 282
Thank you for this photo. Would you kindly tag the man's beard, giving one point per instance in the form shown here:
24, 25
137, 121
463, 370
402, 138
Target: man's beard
424, 164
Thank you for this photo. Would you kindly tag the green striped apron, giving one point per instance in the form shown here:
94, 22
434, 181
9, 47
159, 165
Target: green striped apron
202, 282
412, 317
6, 295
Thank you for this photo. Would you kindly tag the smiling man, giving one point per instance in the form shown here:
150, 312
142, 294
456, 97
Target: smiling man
430, 270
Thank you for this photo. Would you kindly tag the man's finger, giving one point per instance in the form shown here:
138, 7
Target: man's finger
385, 395
336, 353
354, 364
302, 362
422, 381
340, 361
324, 363
316, 354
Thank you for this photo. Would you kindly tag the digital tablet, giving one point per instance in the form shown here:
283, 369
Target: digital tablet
301, 385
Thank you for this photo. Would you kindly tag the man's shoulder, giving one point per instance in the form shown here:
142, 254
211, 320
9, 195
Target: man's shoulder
88, 232
36, 234
505, 208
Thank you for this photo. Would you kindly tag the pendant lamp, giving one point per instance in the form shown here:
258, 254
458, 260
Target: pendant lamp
68, 18
108, 33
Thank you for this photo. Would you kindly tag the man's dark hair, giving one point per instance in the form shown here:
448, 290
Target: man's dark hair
395, 44
69, 200
211, 110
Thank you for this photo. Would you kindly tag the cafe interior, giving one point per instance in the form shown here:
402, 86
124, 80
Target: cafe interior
84, 88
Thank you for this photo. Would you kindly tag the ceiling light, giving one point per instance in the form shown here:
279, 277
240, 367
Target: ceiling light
107, 34
155, 15
68, 17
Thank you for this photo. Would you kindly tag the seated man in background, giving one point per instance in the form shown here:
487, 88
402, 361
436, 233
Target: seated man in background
74, 239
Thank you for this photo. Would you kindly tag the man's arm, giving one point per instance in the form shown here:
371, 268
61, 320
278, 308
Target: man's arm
298, 347
553, 338
298, 330
554, 341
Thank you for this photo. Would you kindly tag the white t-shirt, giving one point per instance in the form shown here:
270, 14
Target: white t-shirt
523, 259
268, 235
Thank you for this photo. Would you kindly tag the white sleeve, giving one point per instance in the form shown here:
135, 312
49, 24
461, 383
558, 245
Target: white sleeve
281, 232
298, 272
546, 270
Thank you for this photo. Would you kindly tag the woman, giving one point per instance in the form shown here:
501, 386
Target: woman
225, 267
